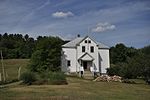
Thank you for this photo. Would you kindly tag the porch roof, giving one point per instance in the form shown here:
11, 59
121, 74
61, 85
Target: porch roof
86, 57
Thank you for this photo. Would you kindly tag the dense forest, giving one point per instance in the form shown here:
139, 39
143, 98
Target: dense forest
45, 53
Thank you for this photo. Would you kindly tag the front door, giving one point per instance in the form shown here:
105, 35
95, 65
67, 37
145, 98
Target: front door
85, 65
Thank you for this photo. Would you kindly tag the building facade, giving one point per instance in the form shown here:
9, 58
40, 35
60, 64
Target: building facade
84, 54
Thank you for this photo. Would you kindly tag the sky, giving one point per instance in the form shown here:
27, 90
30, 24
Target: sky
107, 21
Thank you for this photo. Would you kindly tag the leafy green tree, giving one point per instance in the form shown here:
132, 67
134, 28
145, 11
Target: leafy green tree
118, 53
16, 46
121, 53
26, 37
146, 60
47, 54
136, 63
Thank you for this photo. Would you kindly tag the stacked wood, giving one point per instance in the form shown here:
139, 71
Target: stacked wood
116, 78
107, 78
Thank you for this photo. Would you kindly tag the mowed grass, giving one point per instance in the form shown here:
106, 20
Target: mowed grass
77, 89
11, 67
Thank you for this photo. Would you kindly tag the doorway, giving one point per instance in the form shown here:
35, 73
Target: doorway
86, 65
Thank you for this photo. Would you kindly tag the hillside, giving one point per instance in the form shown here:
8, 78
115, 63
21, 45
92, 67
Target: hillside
12, 66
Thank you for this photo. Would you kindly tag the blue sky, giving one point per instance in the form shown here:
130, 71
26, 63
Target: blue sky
107, 21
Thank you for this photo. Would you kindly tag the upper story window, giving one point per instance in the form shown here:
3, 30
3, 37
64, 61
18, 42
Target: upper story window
83, 48
68, 63
92, 49
85, 41
89, 41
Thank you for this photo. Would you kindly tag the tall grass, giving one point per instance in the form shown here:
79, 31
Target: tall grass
11, 67
28, 77
54, 77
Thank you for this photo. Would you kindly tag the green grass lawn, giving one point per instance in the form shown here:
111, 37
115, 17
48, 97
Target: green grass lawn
77, 89
12, 66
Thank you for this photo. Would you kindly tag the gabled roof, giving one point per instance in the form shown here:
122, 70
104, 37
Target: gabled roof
86, 57
102, 46
75, 42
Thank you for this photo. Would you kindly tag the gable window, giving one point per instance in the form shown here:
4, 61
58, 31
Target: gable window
68, 63
92, 49
89, 41
83, 48
85, 41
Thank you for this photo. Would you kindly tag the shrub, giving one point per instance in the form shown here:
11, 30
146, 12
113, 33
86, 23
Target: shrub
54, 78
123, 70
28, 77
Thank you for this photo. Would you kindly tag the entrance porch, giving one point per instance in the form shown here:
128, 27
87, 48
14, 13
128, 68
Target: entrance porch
86, 66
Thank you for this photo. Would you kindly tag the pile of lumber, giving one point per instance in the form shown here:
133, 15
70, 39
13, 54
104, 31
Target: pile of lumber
107, 78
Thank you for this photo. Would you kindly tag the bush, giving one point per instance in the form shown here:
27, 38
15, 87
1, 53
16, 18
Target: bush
54, 78
28, 77
113, 70
124, 70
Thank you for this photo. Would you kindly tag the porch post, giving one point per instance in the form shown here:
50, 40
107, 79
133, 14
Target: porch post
80, 67
93, 68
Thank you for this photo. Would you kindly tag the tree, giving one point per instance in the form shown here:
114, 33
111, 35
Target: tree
26, 37
118, 53
16, 45
47, 55
121, 53
134, 63
146, 60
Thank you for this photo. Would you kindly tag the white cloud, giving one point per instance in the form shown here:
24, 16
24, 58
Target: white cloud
62, 14
101, 27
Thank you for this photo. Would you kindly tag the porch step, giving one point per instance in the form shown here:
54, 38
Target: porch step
88, 75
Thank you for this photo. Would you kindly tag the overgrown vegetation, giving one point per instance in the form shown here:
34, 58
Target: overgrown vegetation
129, 62
54, 78
28, 77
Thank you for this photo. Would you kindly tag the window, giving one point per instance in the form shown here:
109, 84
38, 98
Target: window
92, 49
83, 48
68, 63
89, 41
85, 41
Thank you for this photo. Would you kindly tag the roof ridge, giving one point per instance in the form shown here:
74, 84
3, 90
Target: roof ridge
76, 41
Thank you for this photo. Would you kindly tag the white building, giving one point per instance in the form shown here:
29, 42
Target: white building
84, 53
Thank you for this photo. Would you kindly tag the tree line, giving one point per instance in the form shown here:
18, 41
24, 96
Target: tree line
44, 51
130, 62
17, 45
